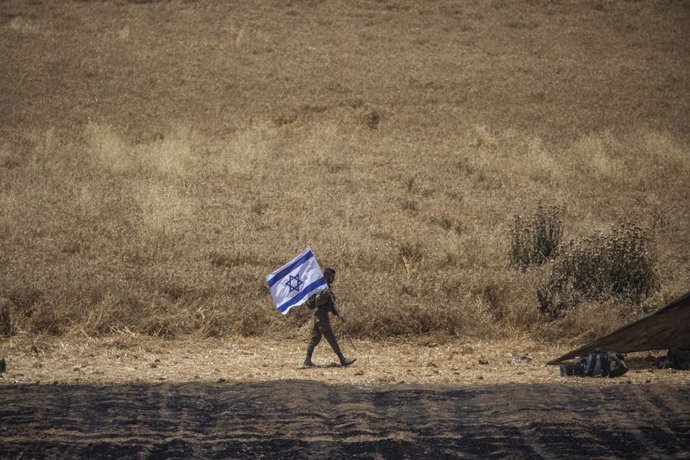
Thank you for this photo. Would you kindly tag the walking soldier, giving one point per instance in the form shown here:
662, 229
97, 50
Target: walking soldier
322, 303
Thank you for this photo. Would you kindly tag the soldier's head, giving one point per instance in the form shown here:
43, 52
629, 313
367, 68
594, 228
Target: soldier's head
329, 274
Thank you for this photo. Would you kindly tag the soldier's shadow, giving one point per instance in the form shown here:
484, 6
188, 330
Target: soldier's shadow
320, 366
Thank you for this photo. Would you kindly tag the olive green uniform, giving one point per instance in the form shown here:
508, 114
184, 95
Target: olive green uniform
323, 303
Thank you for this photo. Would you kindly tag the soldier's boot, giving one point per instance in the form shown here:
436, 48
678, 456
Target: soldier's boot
346, 361
307, 360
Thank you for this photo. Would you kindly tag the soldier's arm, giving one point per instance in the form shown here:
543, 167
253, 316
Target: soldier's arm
331, 304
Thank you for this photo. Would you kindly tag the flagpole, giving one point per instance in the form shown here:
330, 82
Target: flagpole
342, 321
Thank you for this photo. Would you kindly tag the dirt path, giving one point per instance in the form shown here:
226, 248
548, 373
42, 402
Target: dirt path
134, 397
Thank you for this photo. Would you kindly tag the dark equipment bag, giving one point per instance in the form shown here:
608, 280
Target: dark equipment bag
604, 364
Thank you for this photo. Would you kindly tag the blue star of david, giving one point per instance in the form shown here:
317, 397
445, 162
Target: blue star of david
294, 278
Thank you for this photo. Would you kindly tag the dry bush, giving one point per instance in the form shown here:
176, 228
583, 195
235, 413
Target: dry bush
619, 265
536, 239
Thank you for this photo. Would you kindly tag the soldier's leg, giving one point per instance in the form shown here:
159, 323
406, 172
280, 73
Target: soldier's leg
325, 326
330, 337
313, 342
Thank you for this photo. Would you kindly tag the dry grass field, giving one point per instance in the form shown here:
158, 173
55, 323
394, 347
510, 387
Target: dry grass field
159, 158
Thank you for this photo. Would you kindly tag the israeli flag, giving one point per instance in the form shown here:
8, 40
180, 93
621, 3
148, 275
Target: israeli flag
293, 283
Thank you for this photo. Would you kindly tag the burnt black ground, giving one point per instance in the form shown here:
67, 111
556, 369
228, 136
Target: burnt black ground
307, 419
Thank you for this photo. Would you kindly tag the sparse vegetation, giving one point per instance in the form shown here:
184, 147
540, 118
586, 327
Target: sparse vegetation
618, 265
157, 160
536, 239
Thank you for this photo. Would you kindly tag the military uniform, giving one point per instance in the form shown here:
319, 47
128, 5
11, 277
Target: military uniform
323, 303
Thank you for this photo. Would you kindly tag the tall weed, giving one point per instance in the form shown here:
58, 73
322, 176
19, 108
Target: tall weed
618, 265
536, 239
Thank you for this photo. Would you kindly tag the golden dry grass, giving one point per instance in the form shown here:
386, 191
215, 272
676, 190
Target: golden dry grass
158, 159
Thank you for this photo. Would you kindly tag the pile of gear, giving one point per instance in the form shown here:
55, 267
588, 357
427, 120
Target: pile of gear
600, 363
597, 363
667, 328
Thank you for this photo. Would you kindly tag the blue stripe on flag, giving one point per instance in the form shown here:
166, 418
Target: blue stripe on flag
281, 274
307, 291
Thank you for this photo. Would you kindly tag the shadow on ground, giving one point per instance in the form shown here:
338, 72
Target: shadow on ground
309, 419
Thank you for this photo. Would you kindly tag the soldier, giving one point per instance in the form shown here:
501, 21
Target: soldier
322, 303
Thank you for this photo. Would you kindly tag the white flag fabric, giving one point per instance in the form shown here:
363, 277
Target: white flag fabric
293, 283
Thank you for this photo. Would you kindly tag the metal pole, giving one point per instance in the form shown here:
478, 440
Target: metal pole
346, 333
342, 322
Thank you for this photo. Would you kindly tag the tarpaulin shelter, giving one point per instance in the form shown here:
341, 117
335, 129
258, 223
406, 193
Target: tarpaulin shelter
665, 328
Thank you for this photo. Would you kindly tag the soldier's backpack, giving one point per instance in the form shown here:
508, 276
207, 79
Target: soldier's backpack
604, 364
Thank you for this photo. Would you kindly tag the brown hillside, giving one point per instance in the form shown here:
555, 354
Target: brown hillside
158, 159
